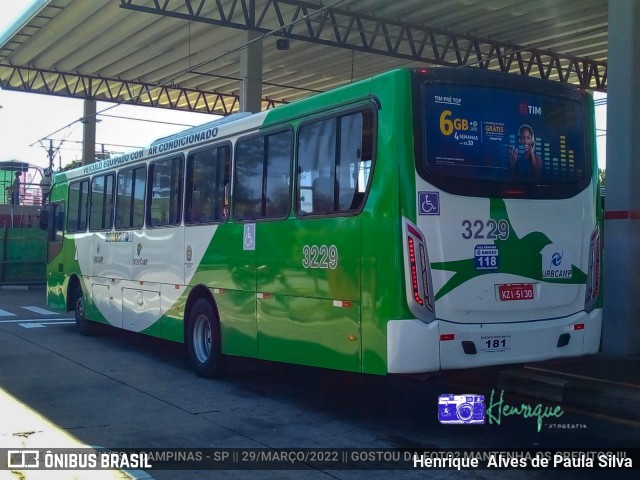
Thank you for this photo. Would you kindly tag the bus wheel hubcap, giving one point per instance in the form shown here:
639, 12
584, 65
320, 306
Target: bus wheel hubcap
80, 310
202, 338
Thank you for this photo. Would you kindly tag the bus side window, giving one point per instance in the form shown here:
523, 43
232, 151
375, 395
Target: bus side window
263, 177
356, 154
194, 212
278, 179
316, 167
55, 228
78, 206
57, 231
131, 197
164, 200
101, 205
322, 195
206, 196
334, 163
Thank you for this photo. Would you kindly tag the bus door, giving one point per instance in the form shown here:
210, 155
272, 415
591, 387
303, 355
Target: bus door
309, 264
121, 244
107, 258
112, 269
78, 244
156, 250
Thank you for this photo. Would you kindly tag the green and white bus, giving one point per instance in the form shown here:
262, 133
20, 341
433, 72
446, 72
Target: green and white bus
419, 220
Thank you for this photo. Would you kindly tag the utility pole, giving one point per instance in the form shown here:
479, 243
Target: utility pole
51, 154
89, 132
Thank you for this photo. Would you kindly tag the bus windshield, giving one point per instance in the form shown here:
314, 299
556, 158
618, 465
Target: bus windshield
496, 141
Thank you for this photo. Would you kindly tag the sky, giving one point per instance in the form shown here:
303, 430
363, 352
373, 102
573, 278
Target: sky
26, 119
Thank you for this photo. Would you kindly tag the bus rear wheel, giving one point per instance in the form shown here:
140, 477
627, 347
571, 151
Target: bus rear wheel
203, 341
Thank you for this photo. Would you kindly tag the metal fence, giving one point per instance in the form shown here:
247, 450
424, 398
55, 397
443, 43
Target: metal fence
23, 256
30, 192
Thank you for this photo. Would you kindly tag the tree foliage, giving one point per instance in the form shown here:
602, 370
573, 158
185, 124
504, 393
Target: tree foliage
602, 176
71, 166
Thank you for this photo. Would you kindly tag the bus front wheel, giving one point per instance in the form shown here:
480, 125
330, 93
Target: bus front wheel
86, 327
203, 341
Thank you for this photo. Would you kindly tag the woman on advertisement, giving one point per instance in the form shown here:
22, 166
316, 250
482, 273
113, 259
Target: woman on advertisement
524, 163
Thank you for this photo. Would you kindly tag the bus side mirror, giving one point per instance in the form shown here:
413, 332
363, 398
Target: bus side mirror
44, 219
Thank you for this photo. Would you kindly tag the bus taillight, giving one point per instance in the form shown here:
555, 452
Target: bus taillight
414, 272
593, 277
417, 272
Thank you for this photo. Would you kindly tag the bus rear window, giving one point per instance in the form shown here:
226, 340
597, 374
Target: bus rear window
488, 141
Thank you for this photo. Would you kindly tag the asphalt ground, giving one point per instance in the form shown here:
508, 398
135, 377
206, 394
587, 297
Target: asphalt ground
598, 384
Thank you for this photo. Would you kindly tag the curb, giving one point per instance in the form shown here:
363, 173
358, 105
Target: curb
23, 288
619, 401
14, 288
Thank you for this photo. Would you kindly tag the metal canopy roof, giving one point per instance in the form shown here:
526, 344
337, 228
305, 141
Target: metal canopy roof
184, 54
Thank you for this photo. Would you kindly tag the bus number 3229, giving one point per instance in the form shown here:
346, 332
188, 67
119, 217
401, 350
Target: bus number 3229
320, 256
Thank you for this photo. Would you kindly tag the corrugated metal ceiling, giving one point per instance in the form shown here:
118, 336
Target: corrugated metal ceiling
68, 46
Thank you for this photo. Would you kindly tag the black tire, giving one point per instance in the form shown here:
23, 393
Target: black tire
203, 341
85, 327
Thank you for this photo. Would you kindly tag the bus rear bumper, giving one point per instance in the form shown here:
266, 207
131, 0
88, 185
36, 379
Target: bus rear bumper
414, 346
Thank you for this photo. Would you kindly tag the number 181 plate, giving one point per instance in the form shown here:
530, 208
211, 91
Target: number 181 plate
515, 291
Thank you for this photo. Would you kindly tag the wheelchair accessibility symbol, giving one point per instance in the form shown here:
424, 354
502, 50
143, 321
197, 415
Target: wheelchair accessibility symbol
249, 237
429, 203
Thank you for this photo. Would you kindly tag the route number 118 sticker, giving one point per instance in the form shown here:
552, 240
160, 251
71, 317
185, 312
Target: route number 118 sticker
486, 257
